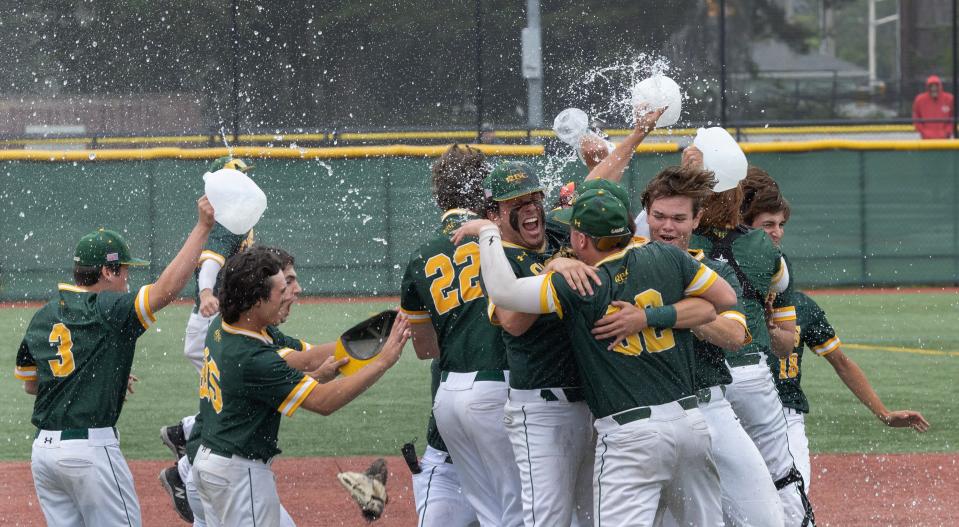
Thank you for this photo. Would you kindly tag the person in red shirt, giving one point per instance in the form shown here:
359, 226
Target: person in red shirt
934, 103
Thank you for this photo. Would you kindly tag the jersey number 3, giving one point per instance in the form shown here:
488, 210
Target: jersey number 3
210, 382
63, 365
447, 295
652, 340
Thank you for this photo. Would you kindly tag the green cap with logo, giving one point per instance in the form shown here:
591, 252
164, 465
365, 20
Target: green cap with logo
229, 162
511, 180
597, 213
102, 247
611, 187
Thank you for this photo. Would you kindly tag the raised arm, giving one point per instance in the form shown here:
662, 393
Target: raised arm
613, 166
174, 278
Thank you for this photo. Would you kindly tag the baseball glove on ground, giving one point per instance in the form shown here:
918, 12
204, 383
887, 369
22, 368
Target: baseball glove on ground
368, 489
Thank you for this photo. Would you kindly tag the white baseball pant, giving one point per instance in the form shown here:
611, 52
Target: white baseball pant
83, 481
236, 491
648, 466
194, 339
749, 496
196, 503
799, 444
439, 498
552, 445
755, 400
469, 415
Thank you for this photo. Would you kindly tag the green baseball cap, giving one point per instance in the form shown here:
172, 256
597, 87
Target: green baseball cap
597, 213
511, 180
229, 162
104, 246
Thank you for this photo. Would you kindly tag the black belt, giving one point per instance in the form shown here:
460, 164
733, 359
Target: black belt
746, 359
73, 433
644, 412
573, 395
229, 455
482, 375
706, 394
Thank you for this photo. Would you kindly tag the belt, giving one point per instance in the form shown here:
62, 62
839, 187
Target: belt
705, 395
482, 375
644, 412
570, 395
228, 455
74, 433
746, 359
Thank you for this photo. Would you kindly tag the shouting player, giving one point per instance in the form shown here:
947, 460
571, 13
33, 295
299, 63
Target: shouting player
76, 358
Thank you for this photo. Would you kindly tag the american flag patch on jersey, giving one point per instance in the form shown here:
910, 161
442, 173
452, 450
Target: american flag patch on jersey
112, 257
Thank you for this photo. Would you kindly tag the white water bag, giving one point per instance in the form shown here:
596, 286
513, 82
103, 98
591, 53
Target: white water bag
238, 203
656, 92
722, 155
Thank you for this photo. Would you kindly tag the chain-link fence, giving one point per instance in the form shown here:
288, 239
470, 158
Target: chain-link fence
216, 68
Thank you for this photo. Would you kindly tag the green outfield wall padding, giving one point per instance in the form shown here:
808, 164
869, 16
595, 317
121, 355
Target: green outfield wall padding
858, 217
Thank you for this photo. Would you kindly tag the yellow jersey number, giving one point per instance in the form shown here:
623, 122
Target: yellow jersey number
789, 368
63, 365
210, 382
451, 288
652, 340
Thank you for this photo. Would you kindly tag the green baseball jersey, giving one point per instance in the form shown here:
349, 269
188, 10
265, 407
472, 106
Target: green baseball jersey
783, 308
433, 437
541, 357
441, 285
221, 244
812, 330
759, 261
557, 233
655, 366
79, 348
711, 368
287, 345
245, 386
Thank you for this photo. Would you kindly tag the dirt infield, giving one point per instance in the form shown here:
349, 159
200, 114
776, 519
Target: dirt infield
847, 490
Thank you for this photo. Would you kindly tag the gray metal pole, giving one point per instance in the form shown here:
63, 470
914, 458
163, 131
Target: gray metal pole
722, 63
478, 24
955, 66
533, 65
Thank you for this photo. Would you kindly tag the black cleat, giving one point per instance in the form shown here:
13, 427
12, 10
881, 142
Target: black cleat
173, 485
173, 438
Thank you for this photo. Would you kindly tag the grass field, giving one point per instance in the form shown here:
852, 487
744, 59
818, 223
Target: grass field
907, 344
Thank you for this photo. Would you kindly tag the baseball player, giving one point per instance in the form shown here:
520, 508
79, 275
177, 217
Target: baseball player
442, 297
652, 452
546, 415
76, 358
317, 361
221, 245
752, 394
245, 387
769, 211
673, 200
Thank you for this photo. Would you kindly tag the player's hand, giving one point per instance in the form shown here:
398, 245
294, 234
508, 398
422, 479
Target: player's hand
329, 369
627, 320
399, 334
130, 380
209, 305
692, 157
205, 212
470, 228
646, 118
906, 418
593, 150
577, 274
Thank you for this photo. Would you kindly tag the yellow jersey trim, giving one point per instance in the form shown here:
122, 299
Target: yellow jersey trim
25, 373
741, 318
72, 288
451, 212
283, 352
491, 314
827, 347
263, 337
697, 254
297, 395
784, 314
211, 255
548, 300
702, 281
520, 247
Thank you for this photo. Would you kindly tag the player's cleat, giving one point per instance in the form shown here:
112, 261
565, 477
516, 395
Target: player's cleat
173, 438
173, 485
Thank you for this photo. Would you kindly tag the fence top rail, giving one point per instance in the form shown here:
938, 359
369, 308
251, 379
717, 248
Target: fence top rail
795, 128
346, 152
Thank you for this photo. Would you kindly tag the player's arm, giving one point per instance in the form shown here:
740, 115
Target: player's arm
425, 343
728, 331
327, 398
855, 379
26, 369
206, 280
615, 164
629, 319
781, 323
174, 277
